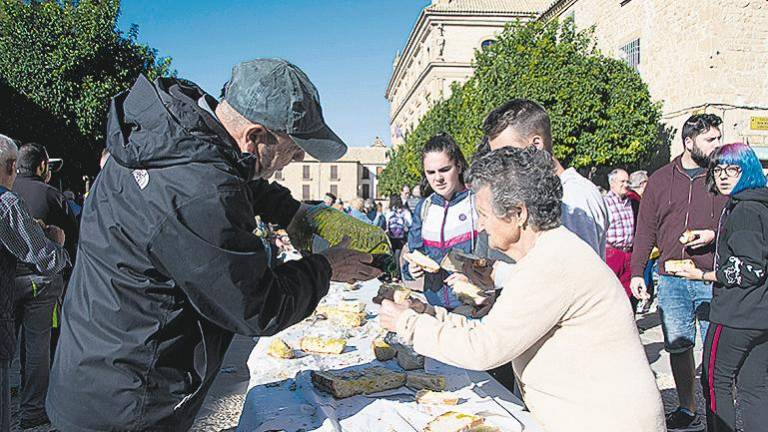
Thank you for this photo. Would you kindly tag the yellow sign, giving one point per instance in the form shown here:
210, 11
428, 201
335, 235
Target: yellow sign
759, 123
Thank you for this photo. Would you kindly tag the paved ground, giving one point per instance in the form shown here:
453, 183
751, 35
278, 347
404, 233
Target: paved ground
223, 405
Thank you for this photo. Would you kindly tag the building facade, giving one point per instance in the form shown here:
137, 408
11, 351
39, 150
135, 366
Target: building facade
705, 56
354, 175
440, 50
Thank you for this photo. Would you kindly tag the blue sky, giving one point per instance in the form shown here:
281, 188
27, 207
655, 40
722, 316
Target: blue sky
345, 46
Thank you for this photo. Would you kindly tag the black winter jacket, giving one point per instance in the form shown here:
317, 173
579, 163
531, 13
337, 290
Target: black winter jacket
168, 269
46, 203
740, 296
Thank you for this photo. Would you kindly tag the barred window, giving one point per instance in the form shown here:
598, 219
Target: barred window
305, 192
630, 53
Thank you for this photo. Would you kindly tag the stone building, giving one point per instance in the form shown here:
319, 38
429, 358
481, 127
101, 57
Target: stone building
440, 50
354, 175
704, 56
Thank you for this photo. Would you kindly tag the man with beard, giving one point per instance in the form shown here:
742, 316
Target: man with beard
680, 215
168, 268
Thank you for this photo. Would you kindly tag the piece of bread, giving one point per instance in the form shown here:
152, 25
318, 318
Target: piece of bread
424, 381
319, 345
674, 266
453, 421
346, 318
467, 292
485, 428
417, 258
345, 383
382, 350
402, 295
429, 397
688, 236
278, 348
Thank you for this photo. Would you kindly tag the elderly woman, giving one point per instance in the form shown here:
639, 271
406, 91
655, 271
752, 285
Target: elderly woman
562, 318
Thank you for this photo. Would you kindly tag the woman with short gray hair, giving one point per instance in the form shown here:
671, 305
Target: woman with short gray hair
562, 318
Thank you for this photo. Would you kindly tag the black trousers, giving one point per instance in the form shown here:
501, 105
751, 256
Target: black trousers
735, 357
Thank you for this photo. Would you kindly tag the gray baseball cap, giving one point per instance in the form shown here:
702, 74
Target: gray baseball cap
279, 96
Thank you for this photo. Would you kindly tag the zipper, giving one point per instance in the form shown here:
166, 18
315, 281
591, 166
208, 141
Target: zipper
446, 301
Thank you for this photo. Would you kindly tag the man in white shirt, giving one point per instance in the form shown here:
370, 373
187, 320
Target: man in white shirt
522, 123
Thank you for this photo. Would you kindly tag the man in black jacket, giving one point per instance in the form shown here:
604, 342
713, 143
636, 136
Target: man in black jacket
168, 268
36, 295
21, 239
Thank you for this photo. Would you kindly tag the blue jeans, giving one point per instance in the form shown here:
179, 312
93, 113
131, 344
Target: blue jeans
681, 303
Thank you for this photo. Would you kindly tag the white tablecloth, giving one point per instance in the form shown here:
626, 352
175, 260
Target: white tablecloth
281, 396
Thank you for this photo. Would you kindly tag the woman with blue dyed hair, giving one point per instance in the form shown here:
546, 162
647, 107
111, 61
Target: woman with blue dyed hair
736, 346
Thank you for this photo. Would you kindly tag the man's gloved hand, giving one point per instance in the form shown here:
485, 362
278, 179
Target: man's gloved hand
387, 292
348, 265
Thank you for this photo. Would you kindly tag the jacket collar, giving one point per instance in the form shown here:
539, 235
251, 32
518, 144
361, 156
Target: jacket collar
438, 199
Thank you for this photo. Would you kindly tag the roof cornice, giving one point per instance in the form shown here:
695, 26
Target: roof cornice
425, 17
555, 9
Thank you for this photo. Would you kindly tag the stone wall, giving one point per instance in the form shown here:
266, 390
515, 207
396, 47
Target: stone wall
702, 56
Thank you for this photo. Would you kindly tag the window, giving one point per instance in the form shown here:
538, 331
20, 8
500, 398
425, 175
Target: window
487, 43
305, 173
630, 53
305, 192
279, 175
366, 173
334, 172
335, 190
366, 191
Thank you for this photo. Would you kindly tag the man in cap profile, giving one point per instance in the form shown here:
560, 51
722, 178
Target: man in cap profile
168, 269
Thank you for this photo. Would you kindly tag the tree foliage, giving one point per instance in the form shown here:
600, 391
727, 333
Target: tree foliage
601, 111
60, 63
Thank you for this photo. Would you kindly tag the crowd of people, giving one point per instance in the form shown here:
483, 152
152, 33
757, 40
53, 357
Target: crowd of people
182, 243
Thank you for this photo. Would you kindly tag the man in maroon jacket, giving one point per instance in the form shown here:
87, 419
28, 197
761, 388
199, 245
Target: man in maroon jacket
677, 201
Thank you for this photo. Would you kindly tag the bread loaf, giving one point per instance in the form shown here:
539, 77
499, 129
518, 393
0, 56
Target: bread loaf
424, 381
417, 258
382, 350
345, 383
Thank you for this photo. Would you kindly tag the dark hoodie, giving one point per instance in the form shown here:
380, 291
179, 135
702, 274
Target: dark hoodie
672, 203
167, 268
740, 297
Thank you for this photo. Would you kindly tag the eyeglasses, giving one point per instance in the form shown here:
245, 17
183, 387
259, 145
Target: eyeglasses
730, 171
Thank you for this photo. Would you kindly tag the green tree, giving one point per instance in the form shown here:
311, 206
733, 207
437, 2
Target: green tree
60, 63
601, 111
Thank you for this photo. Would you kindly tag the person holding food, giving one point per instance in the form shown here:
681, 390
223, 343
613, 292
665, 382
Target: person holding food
562, 318
679, 215
736, 346
446, 219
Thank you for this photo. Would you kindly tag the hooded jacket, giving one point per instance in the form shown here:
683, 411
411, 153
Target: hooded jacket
168, 268
672, 203
740, 296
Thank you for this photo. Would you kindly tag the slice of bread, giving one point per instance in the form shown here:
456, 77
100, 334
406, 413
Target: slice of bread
687, 237
318, 345
429, 397
454, 422
674, 266
279, 349
417, 258
467, 292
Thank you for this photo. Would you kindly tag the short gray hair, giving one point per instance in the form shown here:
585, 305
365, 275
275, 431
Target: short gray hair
9, 150
637, 177
520, 177
612, 175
